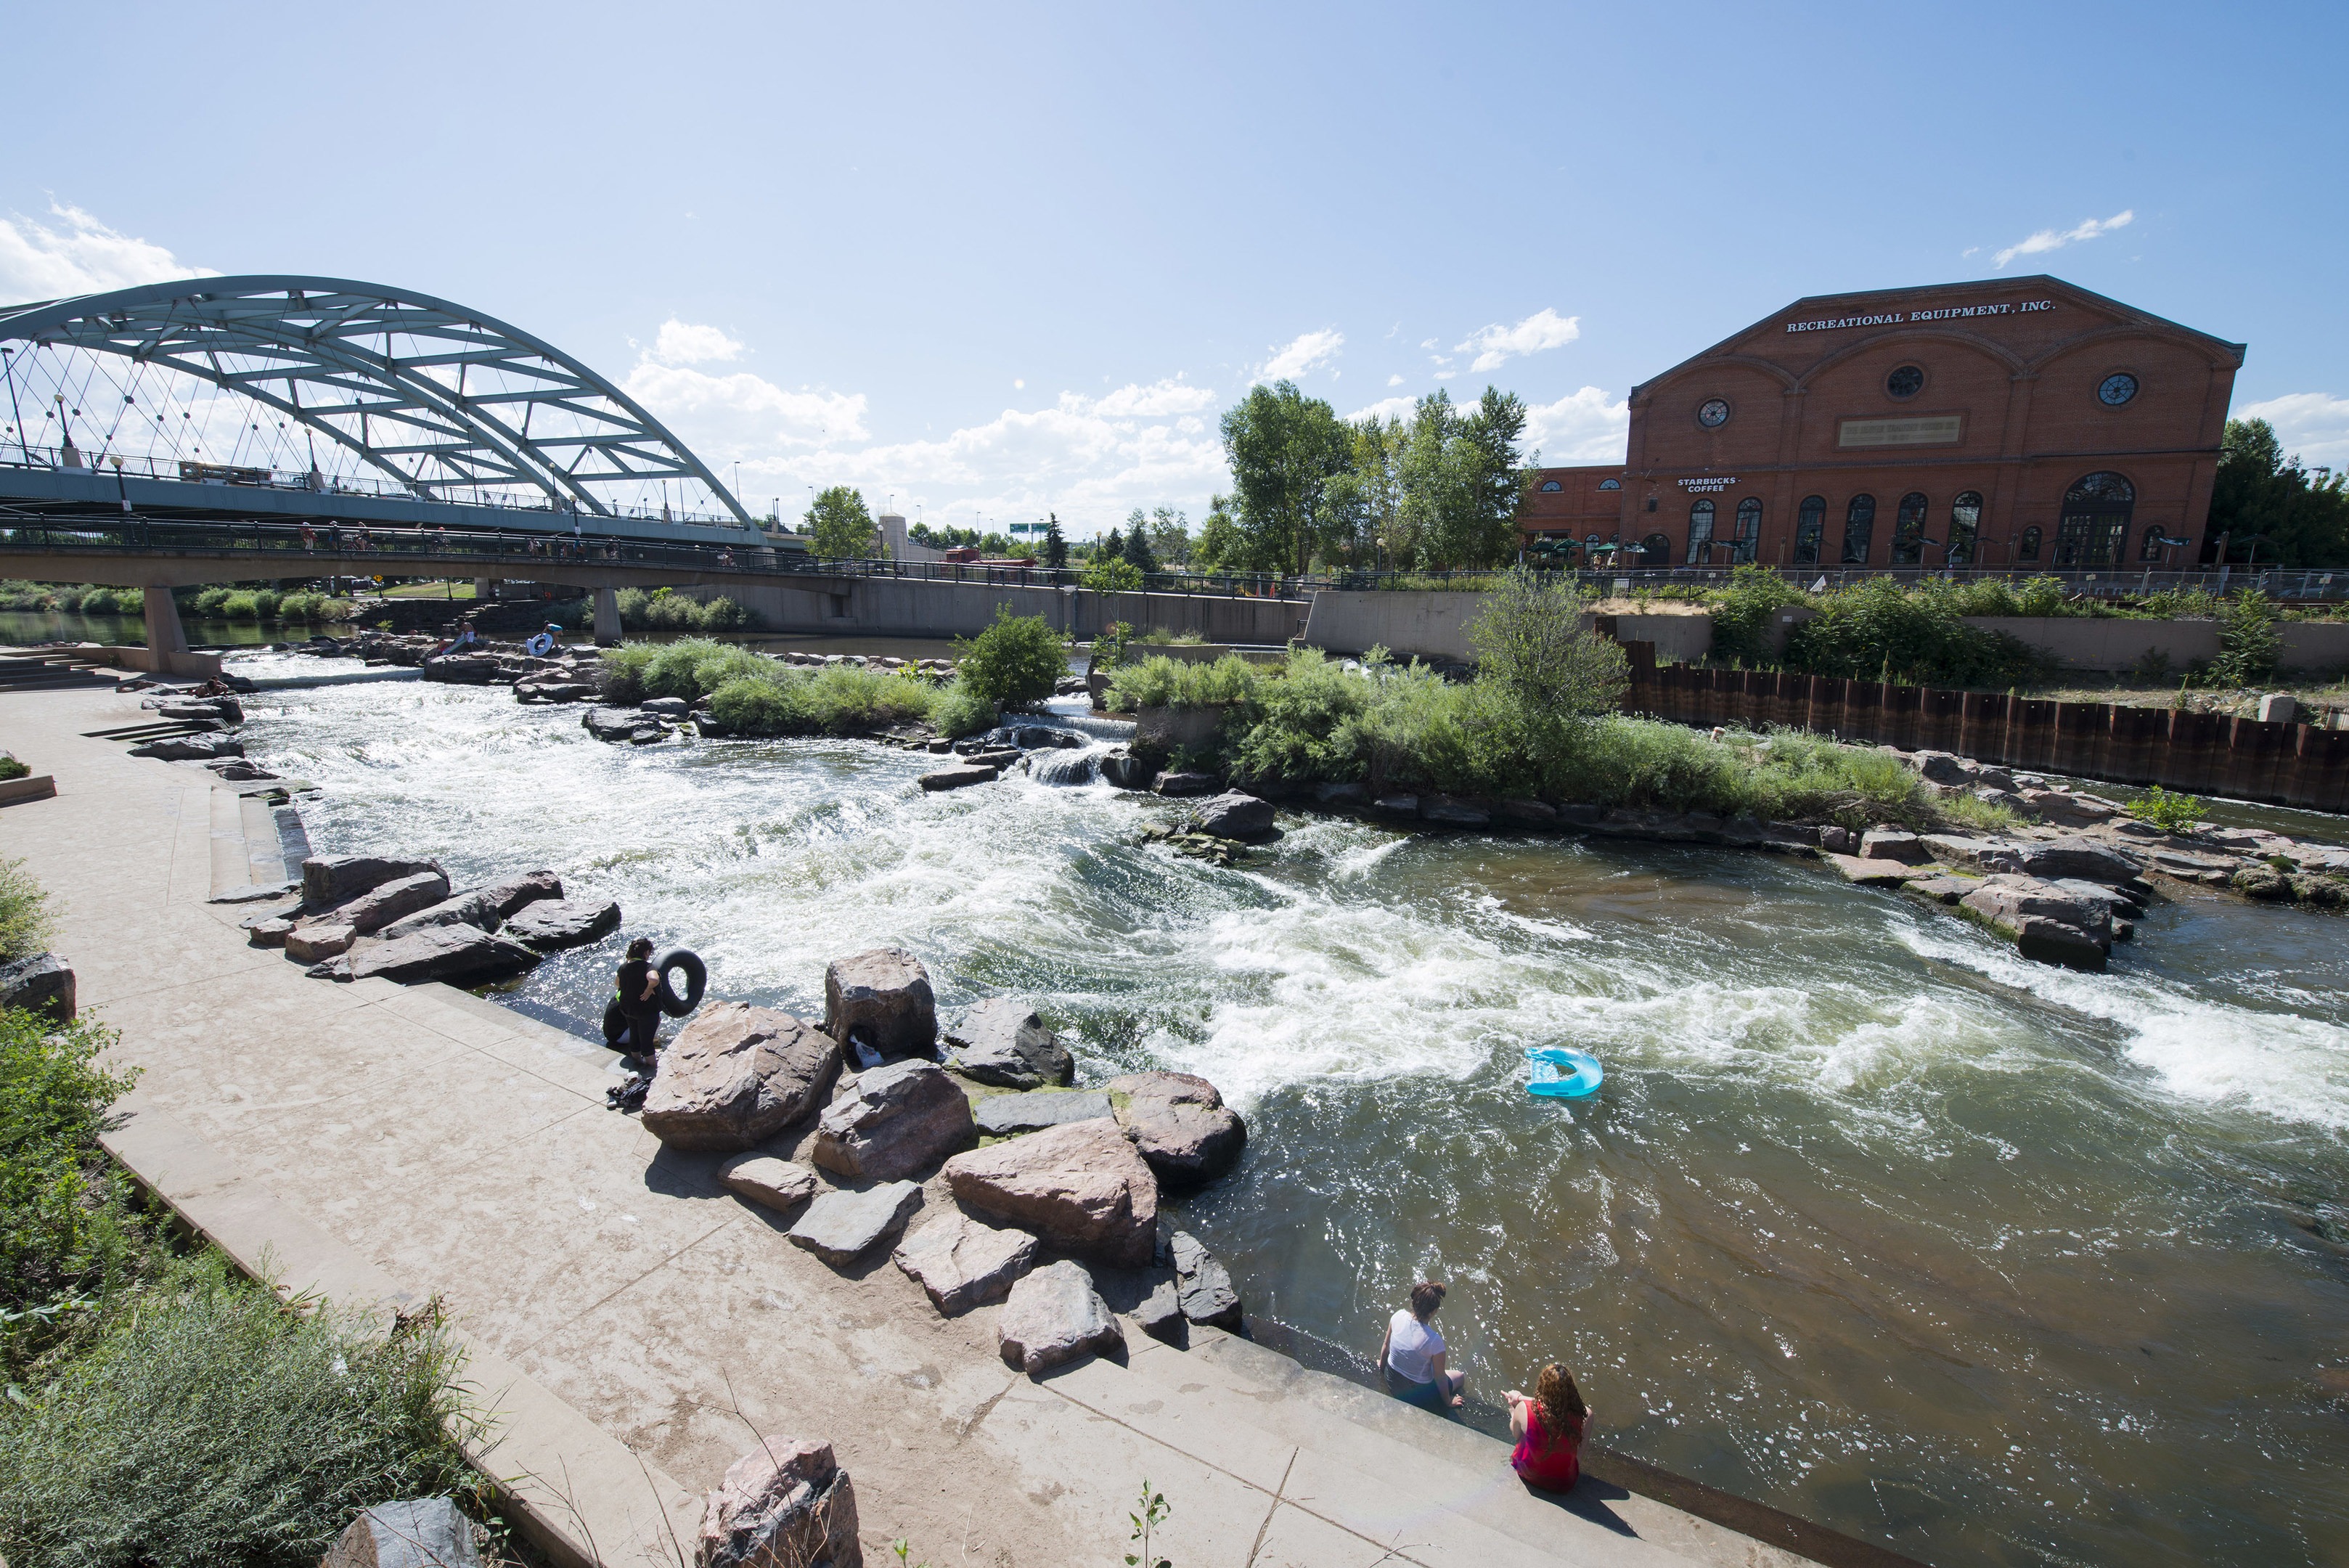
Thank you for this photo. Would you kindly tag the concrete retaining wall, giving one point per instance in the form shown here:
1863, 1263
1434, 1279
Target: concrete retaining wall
1434, 625
2116, 644
883, 607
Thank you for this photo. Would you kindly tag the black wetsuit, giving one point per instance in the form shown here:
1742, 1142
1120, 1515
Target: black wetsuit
644, 1017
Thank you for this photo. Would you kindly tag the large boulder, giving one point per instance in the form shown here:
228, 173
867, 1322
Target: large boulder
315, 940
770, 1182
735, 1074
1180, 1124
1202, 1285
961, 1263
894, 1120
784, 1504
550, 924
1009, 1116
882, 997
2086, 859
842, 1226
1081, 1187
331, 879
380, 906
485, 908
42, 983
1121, 767
2045, 922
189, 748
1002, 1043
960, 777
1055, 1315
458, 954
1235, 815
418, 1532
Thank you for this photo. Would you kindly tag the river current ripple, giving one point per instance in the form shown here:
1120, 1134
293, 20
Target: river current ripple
1874, 1221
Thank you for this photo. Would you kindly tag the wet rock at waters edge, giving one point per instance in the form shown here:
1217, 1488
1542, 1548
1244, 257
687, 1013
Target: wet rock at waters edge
617, 725
665, 707
268, 933
331, 879
458, 954
770, 1182
237, 770
1342, 796
189, 748
956, 778
40, 982
312, 940
1053, 1316
417, 1532
1003, 1042
785, 1504
220, 709
380, 906
550, 924
1083, 1187
1188, 783
1838, 841
1869, 872
1121, 767
1527, 813
894, 1120
2082, 857
840, 1226
1009, 1116
1943, 889
2045, 922
1891, 844
485, 908
1160, 1315
961, 1263
883, 997
1202, 1284
1396, 806
1233, 814
1446, 811
735, 1074
1180, 1124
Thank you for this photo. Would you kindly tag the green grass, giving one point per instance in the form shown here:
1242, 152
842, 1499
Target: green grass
754, 695
1159, 682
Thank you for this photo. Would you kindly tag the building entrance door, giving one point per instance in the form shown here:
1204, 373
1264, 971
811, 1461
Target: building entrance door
2093, 528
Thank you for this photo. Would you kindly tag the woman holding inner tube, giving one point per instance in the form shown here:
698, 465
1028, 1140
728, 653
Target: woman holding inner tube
640, 987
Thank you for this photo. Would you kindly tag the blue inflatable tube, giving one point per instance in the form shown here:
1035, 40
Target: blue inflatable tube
1561, 1072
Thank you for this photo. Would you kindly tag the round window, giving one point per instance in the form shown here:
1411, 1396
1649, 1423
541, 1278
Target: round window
1712, 413
2115, 390
1905, 382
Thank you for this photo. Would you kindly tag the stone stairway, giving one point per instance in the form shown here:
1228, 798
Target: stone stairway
47, 669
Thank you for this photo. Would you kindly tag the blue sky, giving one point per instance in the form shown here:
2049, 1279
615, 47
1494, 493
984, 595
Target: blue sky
995, 260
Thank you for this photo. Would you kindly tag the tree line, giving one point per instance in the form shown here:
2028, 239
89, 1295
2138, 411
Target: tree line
2271, 507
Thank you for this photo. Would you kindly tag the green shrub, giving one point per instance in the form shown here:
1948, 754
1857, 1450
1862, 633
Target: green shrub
2170, 813
1113, 575
10, 768
209, 602
1301, 726
24, 912
749, 705
847, 700
1019, 660
958, 710
1745, 615
722, 614
240, 606
1159, 682
2249, 643
214, 1424
1874, 630
22, 597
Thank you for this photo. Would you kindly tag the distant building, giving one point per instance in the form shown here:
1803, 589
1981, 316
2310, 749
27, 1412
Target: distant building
2017, 422
901, 547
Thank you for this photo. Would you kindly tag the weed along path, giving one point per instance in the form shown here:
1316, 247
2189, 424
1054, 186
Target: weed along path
636, 1327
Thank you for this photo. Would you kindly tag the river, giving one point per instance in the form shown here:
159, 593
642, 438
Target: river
1873, 1222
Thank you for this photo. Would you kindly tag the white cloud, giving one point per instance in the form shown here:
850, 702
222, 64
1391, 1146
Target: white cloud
80, 255
1385, 409
720, 416
683, 343
1306, 351
2056, 239
2314, 425
1395, 380
1496, 345
1582, 427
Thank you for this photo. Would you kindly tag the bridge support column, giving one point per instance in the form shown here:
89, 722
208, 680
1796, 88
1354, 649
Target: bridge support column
165, 634
484, 590
607, 617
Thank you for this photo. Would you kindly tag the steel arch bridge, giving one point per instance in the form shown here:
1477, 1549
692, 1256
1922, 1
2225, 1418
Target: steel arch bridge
428, 404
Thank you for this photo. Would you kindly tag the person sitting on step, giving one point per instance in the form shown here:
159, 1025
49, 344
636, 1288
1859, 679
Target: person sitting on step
1548, 1428
1411, 1355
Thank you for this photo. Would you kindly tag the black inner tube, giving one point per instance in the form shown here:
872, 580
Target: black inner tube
697, 980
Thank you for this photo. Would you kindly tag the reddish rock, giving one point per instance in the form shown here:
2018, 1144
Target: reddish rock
897, 1119
380, 906
454, 953
1081, 1186
882, 997
1180, 1124
737, 1073
785, 1504
322, 939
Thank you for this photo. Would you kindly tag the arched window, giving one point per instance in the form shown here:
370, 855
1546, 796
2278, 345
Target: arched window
2151, 549
2094, 529
1655, 550
1810, 522
1591, 541
1610, 484
1749, 527
1551, 486
1908, 530
2027, 547
1965, 528
1699, 531
1858, 529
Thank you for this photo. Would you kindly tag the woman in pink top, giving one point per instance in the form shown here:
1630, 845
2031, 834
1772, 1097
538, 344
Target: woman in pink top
1548, 1430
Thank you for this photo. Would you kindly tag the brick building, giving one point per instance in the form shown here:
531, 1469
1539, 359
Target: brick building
2006, 425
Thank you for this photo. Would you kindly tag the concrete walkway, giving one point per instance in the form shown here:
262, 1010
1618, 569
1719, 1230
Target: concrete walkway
632, 1326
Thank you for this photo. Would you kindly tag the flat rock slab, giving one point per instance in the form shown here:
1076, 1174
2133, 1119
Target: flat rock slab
841, 1225
1081, 1186
1187, 785
1880, 845
388, 901
1180, 1124
189, 748
735, 1075
961, 778
320, 939
1004, 1043
1862, 872
484, 907
897, 1118
1008, 1116
961, 1263
453, 954
1053, 1316
770, 1182
546, 925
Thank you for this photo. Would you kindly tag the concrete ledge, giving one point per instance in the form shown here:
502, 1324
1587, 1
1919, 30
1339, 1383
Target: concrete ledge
578, 1493
36, 786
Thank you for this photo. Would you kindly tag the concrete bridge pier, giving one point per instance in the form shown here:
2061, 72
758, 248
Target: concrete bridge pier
607, 617
484, 590
165, 634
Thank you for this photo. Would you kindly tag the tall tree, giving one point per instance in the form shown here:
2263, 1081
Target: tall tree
1170, 535
841, 526
1137, 544
1056, 544
1284, 448
1461, 478
2269, 504
1221, 546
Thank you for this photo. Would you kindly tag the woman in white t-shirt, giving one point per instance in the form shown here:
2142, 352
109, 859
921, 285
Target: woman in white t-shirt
1411, 1355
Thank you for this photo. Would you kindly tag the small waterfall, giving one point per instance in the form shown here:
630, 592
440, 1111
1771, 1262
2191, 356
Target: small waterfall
1066, 767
